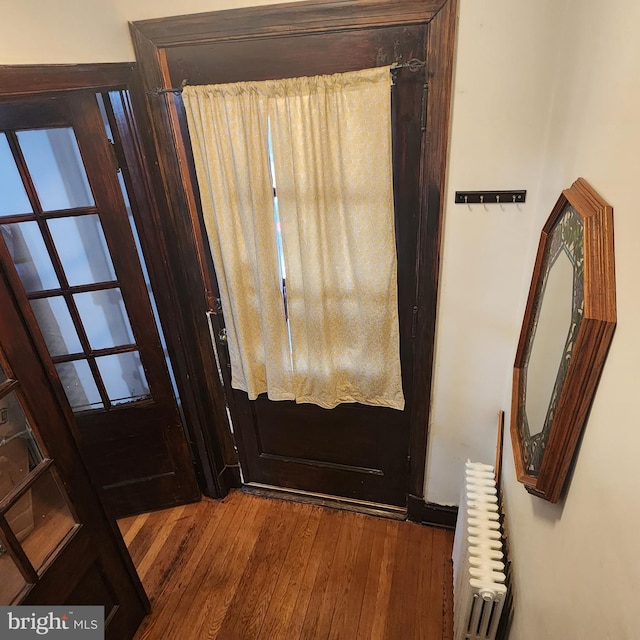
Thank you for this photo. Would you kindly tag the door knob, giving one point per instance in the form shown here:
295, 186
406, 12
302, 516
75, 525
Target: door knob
222, 336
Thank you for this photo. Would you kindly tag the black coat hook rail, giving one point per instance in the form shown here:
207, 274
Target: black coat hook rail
491, 197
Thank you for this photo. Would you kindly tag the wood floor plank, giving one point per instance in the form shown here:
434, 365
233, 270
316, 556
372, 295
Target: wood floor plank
339, 575
442, 543
346, 614
246, 614
372, 583
161, 565
317, 621
226, 567
144, 536
186, 600
254, 568
447, 610
124, 524
318, 565
404, 587
166, 597
383, 594
158, 541
278, 622
424, 612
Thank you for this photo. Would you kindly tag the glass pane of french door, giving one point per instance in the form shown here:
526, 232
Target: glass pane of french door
14, 196
36, 520
58, 246
56, 169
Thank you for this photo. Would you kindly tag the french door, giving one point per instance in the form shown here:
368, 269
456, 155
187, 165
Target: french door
57, 545
68, 244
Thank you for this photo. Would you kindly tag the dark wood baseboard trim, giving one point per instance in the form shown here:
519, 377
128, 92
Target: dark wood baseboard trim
434, 515
332, 502
231, 477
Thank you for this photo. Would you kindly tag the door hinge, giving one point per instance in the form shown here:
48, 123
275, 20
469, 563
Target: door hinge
414, 321
114, 156
423, 114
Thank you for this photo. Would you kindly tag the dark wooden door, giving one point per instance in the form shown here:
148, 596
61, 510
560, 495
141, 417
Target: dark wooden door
353, 451
68, 245
58, 545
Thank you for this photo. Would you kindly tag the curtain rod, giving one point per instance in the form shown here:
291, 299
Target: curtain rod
413, 65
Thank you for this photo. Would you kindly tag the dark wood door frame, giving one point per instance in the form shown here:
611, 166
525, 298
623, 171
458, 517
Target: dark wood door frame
27, 81
152, 39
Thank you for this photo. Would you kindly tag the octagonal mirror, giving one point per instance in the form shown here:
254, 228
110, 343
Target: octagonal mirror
568, 325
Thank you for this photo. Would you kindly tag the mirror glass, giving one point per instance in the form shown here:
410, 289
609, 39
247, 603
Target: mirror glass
558, 310
547, 348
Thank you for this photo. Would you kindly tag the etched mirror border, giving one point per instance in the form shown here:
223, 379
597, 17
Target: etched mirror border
566, 236
581, 225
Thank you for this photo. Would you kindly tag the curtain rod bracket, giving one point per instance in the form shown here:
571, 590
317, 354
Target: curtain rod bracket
158, 91
413, 65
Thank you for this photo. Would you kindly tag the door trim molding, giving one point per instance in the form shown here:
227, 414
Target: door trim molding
152, 39
29, 80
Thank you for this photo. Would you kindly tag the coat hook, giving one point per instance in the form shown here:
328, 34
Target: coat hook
490, 197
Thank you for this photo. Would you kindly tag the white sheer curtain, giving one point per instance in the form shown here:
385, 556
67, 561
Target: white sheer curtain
332, 157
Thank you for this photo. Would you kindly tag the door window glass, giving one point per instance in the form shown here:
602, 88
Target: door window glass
19, 451
41, 519
104, 317
30, 256
14, 197
56, 325
82, 248
123, 377
83, 320
56, 168
35, 517
79, 385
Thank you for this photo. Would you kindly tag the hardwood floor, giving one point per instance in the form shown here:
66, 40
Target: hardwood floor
253, 568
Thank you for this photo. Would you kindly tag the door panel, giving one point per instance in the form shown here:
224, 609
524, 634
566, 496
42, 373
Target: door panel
57, 544
304, 447
73, 262
354, 451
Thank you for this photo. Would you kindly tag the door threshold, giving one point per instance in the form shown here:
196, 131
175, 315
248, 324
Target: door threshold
390, 511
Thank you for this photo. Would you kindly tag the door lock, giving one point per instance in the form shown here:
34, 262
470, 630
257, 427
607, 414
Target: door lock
222, 336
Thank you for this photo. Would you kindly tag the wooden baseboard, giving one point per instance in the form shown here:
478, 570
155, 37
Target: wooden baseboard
434, 515
231, 478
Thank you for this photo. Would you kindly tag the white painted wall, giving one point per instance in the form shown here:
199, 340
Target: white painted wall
545, 91
501, 108
578, 571
70, 31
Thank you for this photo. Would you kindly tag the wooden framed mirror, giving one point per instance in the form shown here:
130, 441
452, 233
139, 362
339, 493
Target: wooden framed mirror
568, 325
